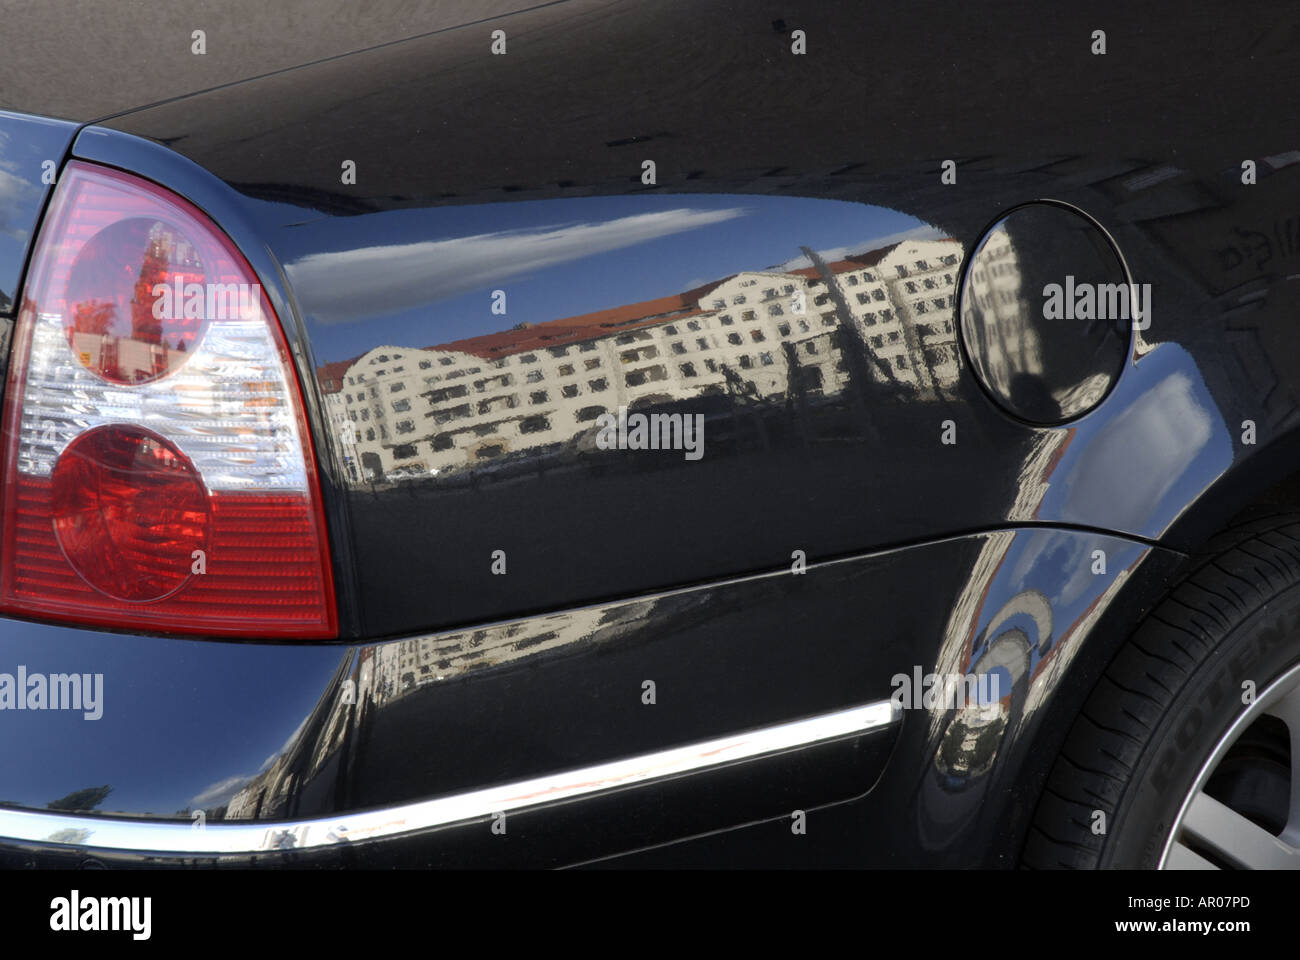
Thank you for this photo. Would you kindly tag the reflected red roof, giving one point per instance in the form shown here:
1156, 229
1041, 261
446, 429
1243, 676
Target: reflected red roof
330, 376
582, 327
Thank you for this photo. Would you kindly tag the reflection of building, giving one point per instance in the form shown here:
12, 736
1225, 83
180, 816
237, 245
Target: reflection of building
265, 794
1004, 335
1002, 318
331, 381
385, 673
130, 358
402, 666
757, 334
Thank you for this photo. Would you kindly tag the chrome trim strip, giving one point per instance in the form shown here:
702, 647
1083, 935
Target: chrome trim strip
171, 837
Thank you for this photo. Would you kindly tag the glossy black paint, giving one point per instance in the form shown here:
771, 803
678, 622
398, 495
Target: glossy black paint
989, 532
87, 63
877, 453
1038, 357
435, 170
497, 703
32, 149
516, 699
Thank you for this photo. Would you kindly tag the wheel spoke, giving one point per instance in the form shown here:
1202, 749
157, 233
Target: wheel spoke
1233, 838
1182, 857
1288, 711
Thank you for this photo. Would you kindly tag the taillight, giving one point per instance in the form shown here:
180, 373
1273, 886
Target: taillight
158, 470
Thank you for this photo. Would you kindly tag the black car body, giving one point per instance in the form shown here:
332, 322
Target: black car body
548, 651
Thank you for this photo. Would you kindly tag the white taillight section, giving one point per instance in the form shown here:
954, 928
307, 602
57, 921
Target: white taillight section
230, 408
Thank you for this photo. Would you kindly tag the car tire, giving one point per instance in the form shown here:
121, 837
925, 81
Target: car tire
1182, 754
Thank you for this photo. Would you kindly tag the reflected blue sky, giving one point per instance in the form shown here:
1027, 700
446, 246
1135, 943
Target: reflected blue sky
428, 275
1147, 453
180, 709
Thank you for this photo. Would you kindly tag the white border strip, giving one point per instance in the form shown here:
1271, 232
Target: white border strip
171, 837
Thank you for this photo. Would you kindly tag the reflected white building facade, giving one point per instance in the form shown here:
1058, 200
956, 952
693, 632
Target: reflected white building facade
407, 412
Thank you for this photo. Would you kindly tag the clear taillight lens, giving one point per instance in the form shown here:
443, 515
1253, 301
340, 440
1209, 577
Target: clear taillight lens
158, 470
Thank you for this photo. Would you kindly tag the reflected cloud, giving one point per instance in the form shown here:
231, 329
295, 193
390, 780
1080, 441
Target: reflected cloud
219, 793
386, 279
923, 232
15, 196
1131, 465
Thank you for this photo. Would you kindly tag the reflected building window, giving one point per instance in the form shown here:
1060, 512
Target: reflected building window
499, 424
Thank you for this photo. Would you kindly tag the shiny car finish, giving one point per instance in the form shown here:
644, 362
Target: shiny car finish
32, 148
476, 278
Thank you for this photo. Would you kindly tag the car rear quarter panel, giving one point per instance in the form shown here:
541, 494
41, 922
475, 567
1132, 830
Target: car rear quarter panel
917, 549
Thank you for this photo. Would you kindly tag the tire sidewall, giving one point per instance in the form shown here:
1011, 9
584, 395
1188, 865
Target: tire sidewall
1257, 650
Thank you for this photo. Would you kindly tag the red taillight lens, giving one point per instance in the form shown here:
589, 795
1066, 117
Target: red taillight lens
158, 470
130, 512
